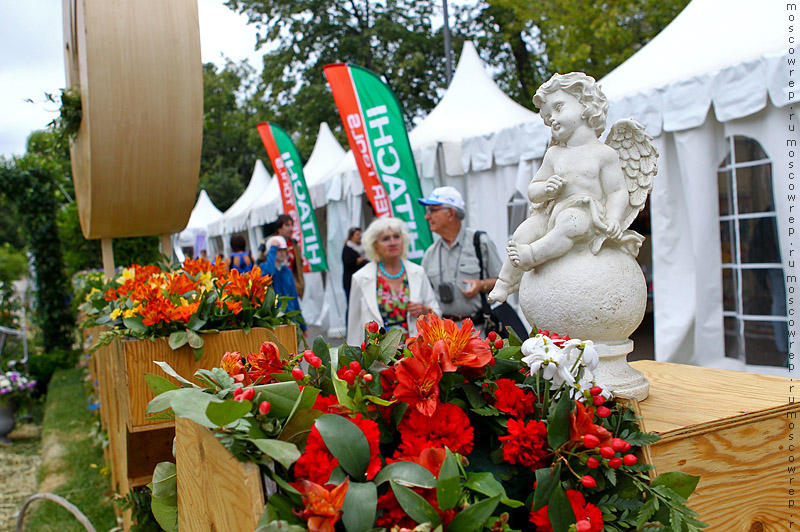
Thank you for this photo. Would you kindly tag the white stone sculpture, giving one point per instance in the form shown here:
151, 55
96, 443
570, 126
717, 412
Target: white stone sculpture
574, 259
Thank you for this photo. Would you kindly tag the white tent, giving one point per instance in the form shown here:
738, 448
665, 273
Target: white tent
732, 56
194, 235
236, 218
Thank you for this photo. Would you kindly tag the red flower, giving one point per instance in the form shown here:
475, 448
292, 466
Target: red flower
327, 405
391, 513
526, 443
583, 511
316, 463
449, 426
233, 364
453, 346
418, 384
266, 361
323, 508
513, 400
580, 424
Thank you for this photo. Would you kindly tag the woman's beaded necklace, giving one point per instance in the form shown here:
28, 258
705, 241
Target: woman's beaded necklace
389, 275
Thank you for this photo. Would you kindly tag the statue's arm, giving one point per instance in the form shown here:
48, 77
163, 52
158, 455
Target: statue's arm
538, 189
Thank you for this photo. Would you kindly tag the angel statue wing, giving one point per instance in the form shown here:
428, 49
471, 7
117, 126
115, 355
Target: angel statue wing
637, 156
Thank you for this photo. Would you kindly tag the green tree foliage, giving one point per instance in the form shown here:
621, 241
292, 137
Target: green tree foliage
230, 141
31, 183
393, 38
592, 36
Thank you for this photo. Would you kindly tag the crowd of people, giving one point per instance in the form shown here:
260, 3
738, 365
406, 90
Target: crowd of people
380, 283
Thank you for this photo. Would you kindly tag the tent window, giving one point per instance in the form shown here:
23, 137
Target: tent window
754, 294
517, 212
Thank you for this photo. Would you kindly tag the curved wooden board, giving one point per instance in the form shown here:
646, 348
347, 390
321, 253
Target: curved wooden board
136, 157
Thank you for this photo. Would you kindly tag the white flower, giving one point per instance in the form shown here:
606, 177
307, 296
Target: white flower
538, 350
590, 356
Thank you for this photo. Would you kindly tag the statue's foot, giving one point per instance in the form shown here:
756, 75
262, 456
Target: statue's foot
521, 256
500, 292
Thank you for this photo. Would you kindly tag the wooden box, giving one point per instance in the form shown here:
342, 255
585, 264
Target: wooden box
136, 445
733, 430
215, 491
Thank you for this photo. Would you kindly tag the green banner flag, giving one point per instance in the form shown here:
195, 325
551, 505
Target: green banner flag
294, 193
376, 132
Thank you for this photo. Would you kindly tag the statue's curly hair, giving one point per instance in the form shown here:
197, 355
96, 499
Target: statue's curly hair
585, 89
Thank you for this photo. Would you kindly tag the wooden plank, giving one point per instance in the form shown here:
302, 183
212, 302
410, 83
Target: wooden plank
732, 429
141, 355
215, 491
136, 156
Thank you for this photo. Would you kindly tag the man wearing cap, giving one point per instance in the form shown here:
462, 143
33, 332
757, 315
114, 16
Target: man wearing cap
451, 262
282, 278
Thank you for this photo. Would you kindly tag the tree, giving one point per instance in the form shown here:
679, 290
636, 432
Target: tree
392, 38
592, 36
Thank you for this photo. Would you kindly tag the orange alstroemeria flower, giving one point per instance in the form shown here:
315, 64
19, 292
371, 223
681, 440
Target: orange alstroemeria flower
266, 361
233, 364
418, 384
453, 346
180, 283
580, 424
323, 508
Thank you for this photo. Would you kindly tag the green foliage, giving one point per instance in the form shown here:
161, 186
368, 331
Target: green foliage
42, 366
32, 184
138, 500
393, 39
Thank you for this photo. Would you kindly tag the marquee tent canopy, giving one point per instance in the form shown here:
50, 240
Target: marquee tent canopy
203, 213
734, 56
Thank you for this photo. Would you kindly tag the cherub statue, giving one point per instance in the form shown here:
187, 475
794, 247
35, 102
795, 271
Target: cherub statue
586, 193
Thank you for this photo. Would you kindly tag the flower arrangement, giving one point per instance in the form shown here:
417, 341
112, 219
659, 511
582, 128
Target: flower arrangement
449, 432
180, 302
14, 387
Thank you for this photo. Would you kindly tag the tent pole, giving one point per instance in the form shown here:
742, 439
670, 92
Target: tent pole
447, 53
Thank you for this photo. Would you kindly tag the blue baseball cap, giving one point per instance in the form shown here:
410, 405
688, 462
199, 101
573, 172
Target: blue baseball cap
447, 196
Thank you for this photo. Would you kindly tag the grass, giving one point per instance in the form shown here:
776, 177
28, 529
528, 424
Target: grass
72, 461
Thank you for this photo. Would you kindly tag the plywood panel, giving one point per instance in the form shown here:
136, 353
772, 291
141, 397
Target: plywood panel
136, 157
215, 491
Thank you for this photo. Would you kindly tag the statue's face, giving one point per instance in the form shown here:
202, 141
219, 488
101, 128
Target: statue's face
563, 111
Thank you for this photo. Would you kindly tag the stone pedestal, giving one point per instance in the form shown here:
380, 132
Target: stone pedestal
614, 372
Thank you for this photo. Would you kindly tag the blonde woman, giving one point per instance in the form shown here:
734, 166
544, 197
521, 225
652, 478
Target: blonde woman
389, 290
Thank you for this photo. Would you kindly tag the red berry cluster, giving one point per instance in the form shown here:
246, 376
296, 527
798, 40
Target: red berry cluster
494, 341
247, 394
555, 337
353, 372
608, 453
313, 360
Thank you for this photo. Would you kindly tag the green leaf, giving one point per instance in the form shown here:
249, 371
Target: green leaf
284, 453
178, 339
487, 484
308, 395
378, 401
195, 340
389, 345
346, 442
227, 411
280, 526
559, 510
174, 374
162, 401
406, 474
297, 429
448, 488
414, 505
281, 395
473, 517
165, 513
135, 323
159, 384
681, 483
165, 481
546, 481
360, 506
192, 404
198, 353
195, 323
558, 424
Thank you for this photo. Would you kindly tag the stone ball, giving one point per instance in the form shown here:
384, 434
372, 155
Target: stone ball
599, 297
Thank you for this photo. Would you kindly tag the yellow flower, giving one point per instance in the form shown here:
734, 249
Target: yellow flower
91, 293
130, 312
205, 282
116, 313
127, 274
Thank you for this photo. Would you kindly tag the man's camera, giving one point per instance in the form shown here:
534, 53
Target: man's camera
446, 292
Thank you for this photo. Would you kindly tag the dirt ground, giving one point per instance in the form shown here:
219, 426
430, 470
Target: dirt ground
19, 465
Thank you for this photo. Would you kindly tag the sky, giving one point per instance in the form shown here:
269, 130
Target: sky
32, 61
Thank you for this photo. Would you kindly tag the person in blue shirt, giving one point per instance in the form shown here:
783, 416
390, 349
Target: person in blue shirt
276, 265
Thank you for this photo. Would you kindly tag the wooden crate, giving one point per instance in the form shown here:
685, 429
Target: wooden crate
732, 429
132, 359
215, 491
135, 444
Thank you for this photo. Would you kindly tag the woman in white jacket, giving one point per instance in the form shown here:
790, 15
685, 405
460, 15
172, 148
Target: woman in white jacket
389, 290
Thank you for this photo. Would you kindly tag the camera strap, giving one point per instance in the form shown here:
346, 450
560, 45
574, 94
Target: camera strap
476, 241
458, 261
